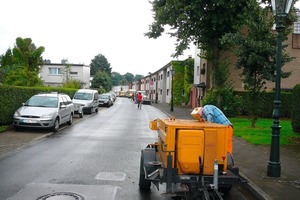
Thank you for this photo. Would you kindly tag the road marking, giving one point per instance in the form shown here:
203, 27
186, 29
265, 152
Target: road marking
111, 176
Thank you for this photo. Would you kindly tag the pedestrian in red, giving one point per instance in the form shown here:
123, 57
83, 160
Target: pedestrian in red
139, 100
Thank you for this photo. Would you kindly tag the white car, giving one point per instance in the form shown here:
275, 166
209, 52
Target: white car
49, 110
85, 101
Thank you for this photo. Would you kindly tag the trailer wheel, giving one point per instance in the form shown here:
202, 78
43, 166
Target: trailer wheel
143, 183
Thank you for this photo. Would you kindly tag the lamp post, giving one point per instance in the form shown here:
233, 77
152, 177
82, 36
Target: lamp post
280, 9
172, 87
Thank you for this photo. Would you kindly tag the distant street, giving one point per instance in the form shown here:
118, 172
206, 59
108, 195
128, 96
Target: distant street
94, 159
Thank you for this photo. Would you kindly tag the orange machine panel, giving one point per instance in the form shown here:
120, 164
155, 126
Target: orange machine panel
215, 149
190, 148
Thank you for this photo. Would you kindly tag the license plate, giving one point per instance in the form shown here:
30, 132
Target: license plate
29, 121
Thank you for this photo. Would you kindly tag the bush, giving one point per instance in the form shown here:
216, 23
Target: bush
296, 109
267, 105
226, 100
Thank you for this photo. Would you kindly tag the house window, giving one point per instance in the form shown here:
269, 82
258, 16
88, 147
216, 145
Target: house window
74, 73
160, 91
55, 71
297, 24
198, 70
167, 92
296, 33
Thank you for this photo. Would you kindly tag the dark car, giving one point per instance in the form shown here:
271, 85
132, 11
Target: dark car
105, 100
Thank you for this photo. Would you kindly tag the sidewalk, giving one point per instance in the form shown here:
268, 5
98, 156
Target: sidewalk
252, 161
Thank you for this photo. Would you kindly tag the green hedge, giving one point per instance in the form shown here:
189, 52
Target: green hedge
268, 104
296, 109
12, 97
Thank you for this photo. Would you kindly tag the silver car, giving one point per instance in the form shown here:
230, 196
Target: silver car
45, 111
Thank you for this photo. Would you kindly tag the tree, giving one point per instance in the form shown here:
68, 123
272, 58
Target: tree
22, 77
27, 55
138, 77
102, 80
100, 63
129, 77
203, 22
256, 52
21, 63
116, 78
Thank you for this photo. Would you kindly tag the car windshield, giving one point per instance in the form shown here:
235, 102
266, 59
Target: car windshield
83, 96
103, 97
42, 101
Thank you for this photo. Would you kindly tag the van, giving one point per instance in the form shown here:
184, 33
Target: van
85, 101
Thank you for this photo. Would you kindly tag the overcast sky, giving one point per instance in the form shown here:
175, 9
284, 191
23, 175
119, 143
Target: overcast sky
79, 30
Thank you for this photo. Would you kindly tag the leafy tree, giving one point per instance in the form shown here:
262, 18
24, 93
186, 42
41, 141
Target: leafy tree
129, 77
27, 55
116, 78
256, 52
138, 77
100, 63
6, 64
123, 82
203, 22
22, 77
23, 60
102, 80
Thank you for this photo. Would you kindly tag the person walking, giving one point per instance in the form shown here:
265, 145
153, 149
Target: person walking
139, 100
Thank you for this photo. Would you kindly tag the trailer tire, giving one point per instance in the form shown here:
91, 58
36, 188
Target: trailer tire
143, 183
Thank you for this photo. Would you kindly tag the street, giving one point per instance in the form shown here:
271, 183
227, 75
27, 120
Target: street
96, 158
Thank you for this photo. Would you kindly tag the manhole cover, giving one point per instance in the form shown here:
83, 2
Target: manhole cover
61, 196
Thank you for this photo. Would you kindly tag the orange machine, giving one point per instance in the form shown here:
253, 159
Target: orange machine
189, 156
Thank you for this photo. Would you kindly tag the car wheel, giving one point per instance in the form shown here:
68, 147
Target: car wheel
81, 115
56, 125
70, 119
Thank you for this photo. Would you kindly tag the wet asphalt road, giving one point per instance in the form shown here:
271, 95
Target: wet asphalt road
97, 158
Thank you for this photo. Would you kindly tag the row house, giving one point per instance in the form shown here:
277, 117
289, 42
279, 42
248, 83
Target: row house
157, 85
203, 82
55, 74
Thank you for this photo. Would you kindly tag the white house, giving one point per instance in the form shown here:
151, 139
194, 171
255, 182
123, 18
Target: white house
55, 74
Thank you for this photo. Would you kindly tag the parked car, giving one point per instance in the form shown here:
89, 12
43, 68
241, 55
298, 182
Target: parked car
105, 100
48, 110
85, 101
113, 95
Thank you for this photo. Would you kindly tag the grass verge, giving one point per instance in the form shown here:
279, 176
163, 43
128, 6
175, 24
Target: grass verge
262, 133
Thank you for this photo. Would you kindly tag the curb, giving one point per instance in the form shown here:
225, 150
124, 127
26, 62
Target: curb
253, 188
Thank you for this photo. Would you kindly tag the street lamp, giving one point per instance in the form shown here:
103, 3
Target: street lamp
280, 9
172, 94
